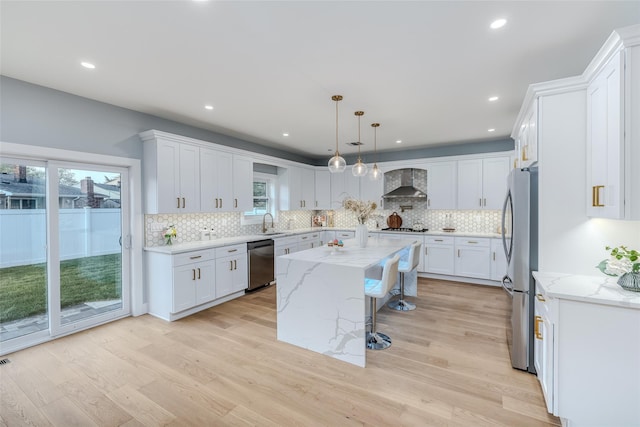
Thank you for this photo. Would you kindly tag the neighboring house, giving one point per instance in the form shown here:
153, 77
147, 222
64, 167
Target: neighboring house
21, 192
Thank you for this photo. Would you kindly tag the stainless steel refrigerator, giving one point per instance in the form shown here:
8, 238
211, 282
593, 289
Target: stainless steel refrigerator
520, 241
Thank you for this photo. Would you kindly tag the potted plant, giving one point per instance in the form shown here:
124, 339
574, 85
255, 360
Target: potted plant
624, 262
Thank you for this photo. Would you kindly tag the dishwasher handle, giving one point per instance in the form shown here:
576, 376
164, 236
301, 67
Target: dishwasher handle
259, 244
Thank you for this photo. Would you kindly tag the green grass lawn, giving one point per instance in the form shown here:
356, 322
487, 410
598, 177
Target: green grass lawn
23, 289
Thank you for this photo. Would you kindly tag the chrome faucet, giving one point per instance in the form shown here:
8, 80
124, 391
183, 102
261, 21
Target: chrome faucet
264, 222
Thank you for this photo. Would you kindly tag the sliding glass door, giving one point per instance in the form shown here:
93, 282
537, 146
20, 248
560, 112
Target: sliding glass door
78, 212
23, 250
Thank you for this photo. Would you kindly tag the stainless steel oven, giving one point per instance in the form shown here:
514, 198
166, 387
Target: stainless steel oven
261, 272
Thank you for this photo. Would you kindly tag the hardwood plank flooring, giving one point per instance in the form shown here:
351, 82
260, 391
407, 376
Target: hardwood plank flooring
448, 366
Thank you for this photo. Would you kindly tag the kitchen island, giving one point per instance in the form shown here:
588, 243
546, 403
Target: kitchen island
320, 296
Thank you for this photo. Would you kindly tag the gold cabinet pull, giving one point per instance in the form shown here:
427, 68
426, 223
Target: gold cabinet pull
183, 205
536, 328
178, 198
230, 265
524, 153
540, 298
235, 264
195, 257
595, 196
232, 250
220, 203
193, 270
198, 272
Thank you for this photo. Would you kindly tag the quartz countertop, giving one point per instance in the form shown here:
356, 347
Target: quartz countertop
594, 289
352, 254
178, 248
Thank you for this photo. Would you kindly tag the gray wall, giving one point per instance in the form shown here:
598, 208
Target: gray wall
36, 115
429, 152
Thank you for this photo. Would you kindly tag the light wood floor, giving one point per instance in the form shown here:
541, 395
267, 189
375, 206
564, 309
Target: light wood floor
448, 366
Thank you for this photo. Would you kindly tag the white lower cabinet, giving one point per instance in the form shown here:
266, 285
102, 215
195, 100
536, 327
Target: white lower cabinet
439, 255
586, 359
185, 283
231, 269
472, 257
543, 348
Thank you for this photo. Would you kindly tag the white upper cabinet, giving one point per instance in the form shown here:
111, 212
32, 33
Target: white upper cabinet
172, 177
217, 188
344, 185
482, 183
323, 189
526, 147
605, 141
242, 183
441, 185
297, 188
372, 190
190, 177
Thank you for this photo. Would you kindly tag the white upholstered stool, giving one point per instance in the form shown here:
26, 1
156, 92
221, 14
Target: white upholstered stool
377, 289
405, 267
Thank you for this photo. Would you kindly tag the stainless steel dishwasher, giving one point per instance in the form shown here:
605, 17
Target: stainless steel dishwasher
261, 272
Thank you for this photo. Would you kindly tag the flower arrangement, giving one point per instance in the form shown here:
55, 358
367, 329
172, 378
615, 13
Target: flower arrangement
362, 209
623, 260
170, 233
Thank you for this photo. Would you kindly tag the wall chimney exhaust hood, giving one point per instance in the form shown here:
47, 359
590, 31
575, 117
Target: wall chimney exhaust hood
406, 189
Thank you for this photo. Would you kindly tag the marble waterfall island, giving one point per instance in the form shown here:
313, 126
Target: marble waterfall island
320, 295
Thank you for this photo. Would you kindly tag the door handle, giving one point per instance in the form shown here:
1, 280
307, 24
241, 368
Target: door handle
536, 328
506, 285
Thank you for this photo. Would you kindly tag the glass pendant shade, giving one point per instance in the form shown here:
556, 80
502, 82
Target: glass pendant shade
359, 169
375, 173
337, 163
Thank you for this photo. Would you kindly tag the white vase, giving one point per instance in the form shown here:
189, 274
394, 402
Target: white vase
362, 235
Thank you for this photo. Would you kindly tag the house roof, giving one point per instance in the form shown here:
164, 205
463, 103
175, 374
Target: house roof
35, 187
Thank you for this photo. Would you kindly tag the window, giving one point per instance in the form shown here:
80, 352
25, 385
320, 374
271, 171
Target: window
264, 198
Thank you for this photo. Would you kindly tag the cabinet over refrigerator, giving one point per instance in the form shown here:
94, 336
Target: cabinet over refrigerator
520, 241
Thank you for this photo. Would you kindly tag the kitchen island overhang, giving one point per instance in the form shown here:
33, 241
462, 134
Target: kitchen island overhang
321, 304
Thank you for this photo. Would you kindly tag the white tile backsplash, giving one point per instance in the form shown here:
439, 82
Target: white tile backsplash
228, 224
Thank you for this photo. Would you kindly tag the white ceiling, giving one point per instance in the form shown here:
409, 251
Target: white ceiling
423, 69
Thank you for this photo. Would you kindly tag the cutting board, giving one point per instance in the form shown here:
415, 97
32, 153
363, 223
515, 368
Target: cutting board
394, 220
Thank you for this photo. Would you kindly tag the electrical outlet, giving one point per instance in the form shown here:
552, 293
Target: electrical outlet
157, 226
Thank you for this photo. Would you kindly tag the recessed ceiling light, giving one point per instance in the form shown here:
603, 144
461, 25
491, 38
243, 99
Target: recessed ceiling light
493, 98
88, 65
285, 134
399, 141
208, 107
498, 23
491, 130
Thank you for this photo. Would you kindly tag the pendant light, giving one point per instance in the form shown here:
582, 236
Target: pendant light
359, 169
337, 163
375, 173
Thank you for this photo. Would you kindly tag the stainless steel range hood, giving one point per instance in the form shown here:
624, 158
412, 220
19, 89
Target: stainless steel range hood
406, 189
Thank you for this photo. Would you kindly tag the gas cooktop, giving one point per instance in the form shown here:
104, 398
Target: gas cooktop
405, 230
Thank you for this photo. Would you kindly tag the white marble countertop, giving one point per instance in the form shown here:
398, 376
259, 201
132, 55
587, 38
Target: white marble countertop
352, 254
178, 248
594, 289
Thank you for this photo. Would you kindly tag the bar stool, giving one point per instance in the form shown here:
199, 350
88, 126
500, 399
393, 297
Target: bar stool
375, 289
405, 267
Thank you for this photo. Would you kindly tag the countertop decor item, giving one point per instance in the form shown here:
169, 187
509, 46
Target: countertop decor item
363, 211
624, 262
394, 220
169, 234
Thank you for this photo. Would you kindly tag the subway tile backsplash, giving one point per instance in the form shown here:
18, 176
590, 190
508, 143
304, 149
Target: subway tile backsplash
228, 224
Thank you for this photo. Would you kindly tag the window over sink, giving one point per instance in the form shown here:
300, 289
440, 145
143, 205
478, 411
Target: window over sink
264, 199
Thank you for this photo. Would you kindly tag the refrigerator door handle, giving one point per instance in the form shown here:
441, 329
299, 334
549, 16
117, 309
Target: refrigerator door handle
505, 206
507, 285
